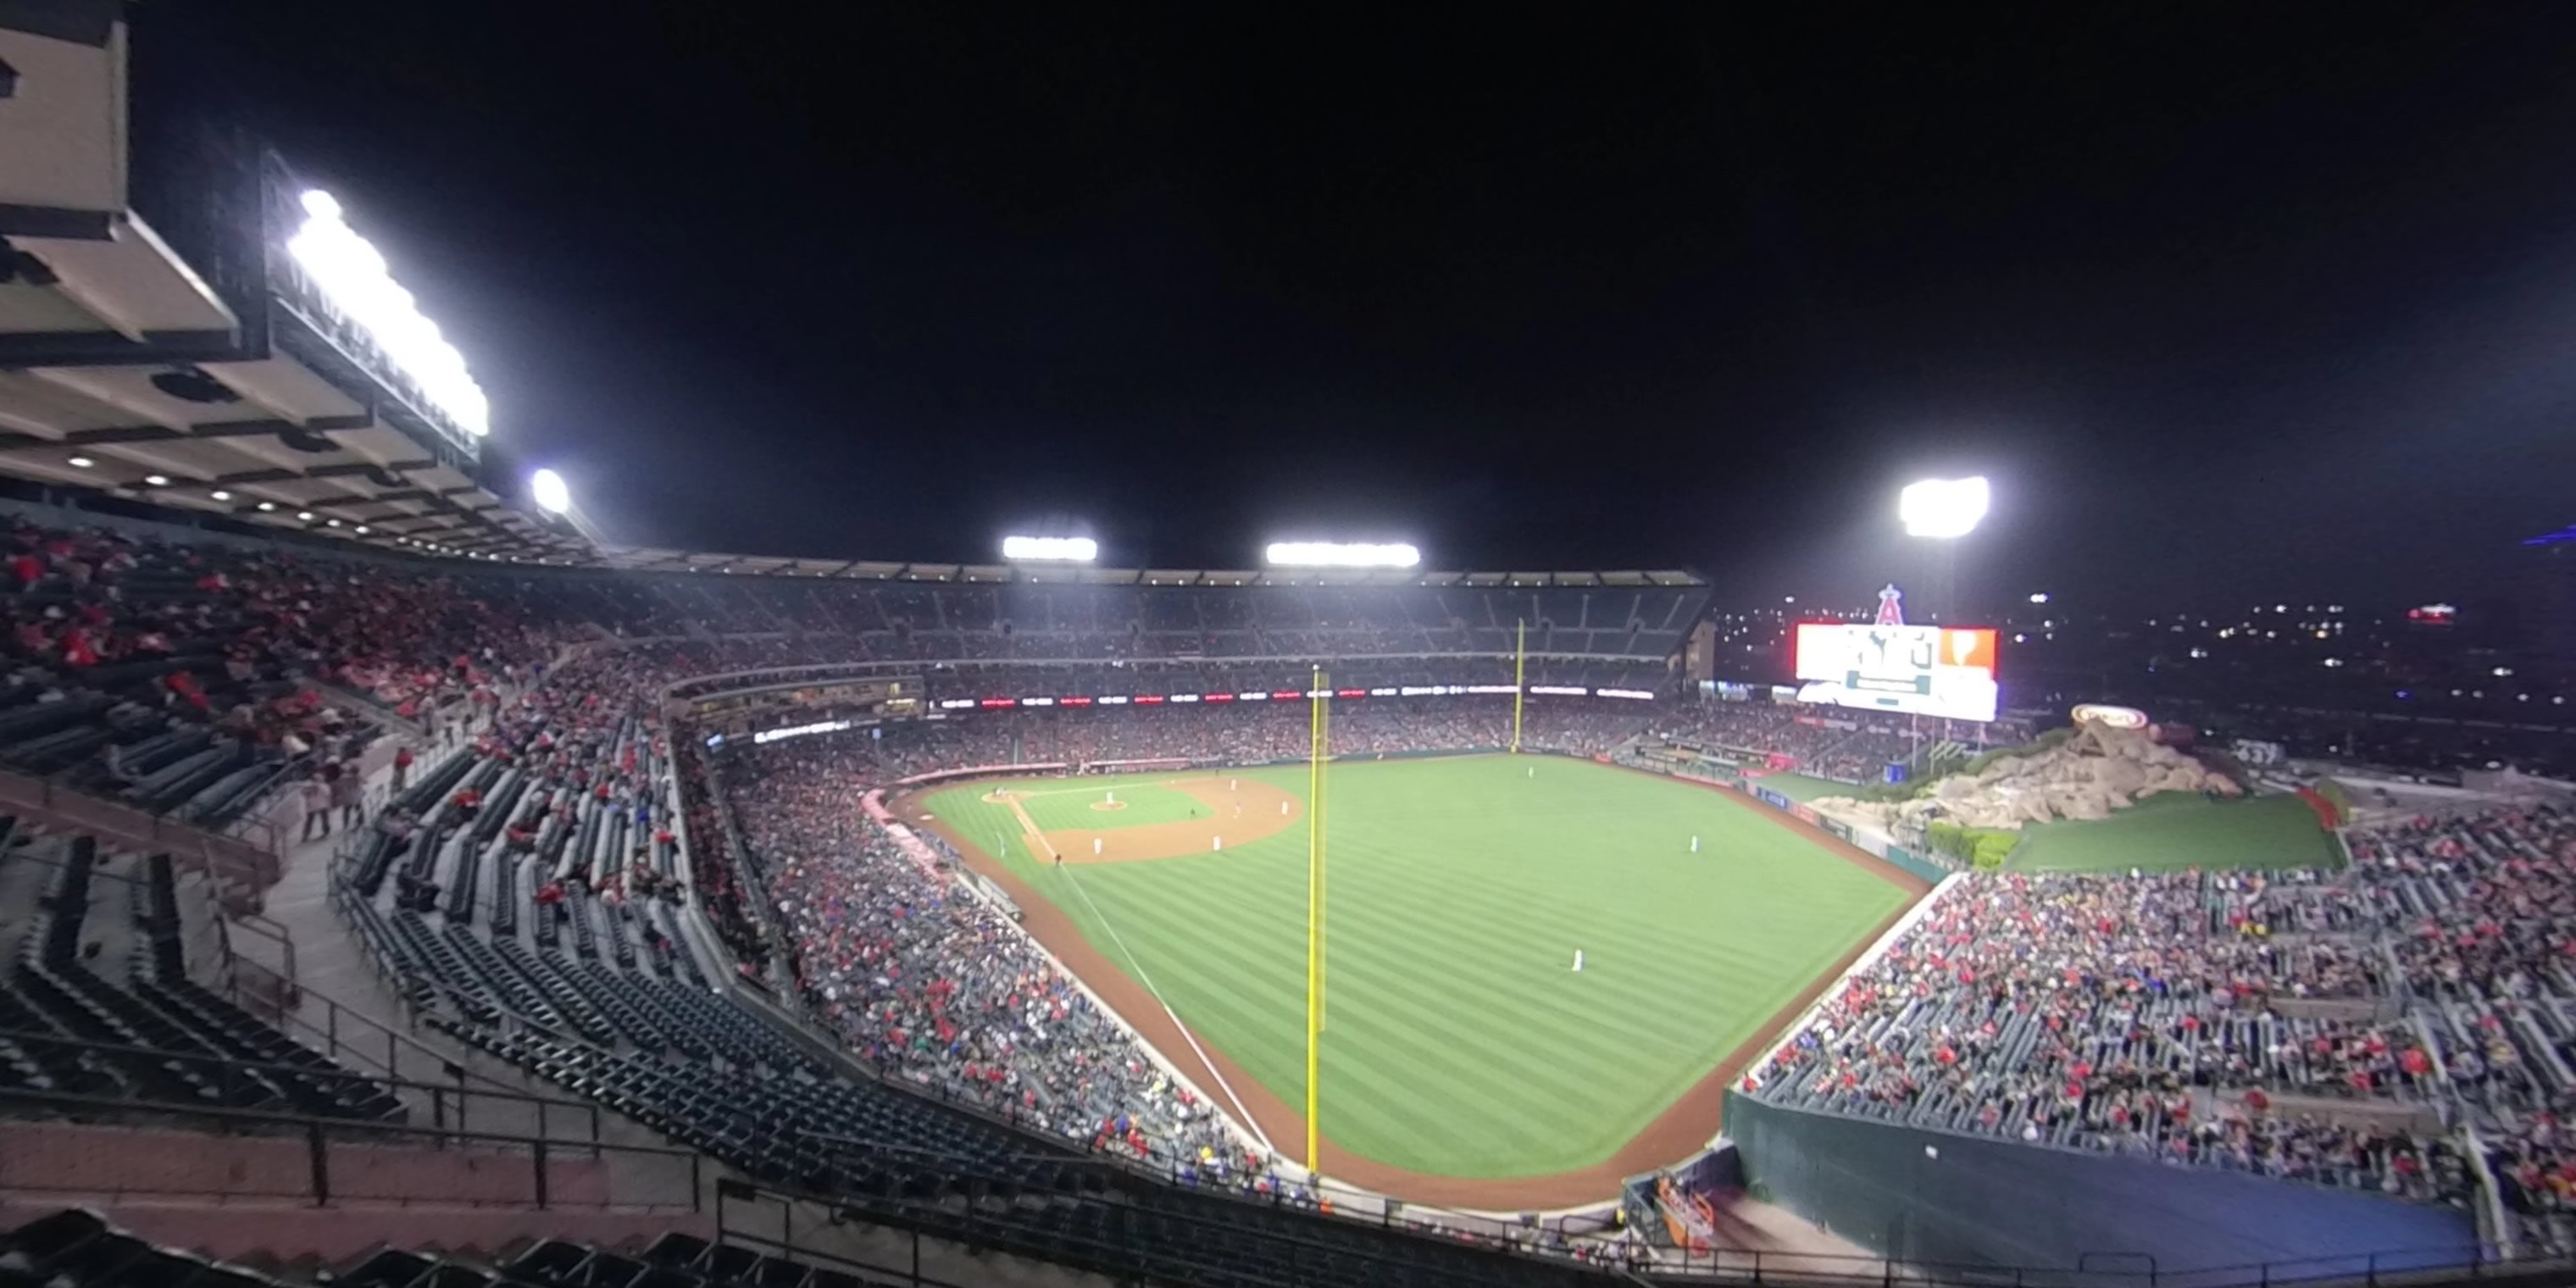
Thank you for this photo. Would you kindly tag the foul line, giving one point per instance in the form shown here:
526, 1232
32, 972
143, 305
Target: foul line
1241, 1114
1036, 838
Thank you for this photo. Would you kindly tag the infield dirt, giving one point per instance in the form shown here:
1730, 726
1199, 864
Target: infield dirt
1240, 811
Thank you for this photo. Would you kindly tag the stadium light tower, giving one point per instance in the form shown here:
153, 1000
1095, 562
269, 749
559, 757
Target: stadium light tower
553, 498
1334, 554
1050, 549
352, 272
550, 492
1945, 510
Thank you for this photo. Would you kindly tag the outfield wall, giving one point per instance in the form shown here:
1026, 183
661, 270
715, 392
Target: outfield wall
1914, 1194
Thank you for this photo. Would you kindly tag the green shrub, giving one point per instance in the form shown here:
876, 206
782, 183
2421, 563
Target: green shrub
1994, 845
1982, 848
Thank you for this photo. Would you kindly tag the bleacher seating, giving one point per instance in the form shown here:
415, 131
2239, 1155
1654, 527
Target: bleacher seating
68, 1026
78, 1249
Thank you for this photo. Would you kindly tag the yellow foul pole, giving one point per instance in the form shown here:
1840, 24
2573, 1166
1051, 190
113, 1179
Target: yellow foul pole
1314, 908
1520, 666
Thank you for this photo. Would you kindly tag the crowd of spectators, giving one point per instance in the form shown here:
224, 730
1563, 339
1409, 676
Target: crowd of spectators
930, 984
896, 621
2479, 911
2357, 1028
2174, 1016
2137, 1014
1250, 732
274, 650
1827, 743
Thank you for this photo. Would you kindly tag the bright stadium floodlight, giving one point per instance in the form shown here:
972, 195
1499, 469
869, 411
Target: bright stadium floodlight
1336, 554
1942, 509
1050, 549
353, 274
550, 492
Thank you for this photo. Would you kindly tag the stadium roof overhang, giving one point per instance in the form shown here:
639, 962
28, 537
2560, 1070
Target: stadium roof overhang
648, 559
186, 359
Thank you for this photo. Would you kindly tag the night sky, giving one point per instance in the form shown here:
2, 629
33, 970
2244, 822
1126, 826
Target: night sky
2233, 301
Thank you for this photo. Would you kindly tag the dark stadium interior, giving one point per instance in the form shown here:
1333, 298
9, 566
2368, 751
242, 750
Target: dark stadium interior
508, 515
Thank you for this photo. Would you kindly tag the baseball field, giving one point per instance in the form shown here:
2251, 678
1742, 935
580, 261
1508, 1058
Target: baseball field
1462, 1046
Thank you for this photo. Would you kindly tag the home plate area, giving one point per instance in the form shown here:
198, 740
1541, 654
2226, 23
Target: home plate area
1134, 821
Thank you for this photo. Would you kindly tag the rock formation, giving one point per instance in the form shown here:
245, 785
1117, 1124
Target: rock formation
2099, 770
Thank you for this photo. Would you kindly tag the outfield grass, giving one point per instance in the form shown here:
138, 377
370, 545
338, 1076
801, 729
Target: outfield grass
1459, 1041
2179, 830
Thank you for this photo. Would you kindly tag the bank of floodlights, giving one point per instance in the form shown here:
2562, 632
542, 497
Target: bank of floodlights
550, 492
1943, 508
1050, 549
353, 274
1337, 554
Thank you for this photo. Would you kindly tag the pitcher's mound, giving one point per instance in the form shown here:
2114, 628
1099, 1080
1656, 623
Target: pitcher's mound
1235, 817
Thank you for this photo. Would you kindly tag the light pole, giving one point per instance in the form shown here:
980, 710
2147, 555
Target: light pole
1944, 510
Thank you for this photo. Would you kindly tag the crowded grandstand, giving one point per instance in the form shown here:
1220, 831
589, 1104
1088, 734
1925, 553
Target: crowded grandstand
373, 845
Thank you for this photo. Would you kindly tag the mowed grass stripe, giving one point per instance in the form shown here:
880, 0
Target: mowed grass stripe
1358, 919
1535, 1029
1401, 1010
1423, 983
1411, 989
1460, 1043
1397, 1010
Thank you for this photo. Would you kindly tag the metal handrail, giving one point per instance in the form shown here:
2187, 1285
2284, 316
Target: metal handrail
439, 1094
330, 1033
1125, 1258
1139, 1172
261, 927
2478, 1259
788, 1249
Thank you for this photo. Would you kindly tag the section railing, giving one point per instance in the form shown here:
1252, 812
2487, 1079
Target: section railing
350, 1036
571, 1126
91, 1147
245, 866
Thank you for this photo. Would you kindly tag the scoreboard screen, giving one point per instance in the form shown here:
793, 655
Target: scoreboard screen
1919, 670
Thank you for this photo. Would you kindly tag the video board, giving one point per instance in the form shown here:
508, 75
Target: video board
1920, 670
